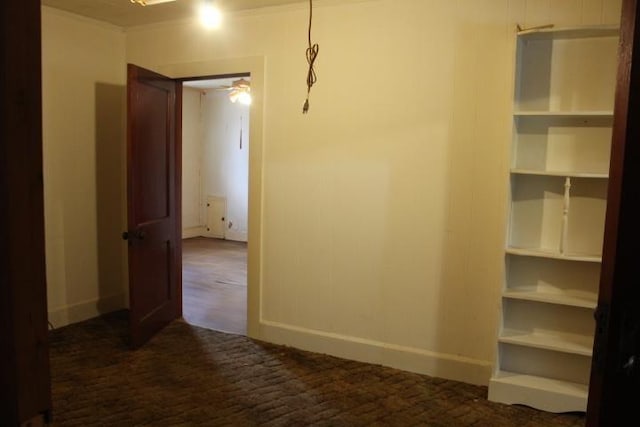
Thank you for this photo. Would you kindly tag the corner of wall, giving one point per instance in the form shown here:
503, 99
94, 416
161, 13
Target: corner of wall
191, 232
75, 313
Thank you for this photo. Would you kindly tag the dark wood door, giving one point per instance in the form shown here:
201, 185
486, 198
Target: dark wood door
153, 180
614, 391
25, 388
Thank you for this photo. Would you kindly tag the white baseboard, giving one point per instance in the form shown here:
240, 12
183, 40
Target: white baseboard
238, 236
409, 359
188, 233
86, 310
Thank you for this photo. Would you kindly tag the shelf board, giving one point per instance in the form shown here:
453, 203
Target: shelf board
565, 343
542, 393
571, 114
560, 173
542, 253
570, 32
552, 298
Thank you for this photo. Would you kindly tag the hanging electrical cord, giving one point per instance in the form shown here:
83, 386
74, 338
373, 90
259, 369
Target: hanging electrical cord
312, 54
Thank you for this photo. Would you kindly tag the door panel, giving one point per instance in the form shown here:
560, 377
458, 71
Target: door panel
153, 215
153, 135
25, 385
614, 389
216, 216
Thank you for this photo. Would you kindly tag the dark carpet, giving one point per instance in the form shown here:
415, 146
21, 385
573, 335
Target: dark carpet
189, 376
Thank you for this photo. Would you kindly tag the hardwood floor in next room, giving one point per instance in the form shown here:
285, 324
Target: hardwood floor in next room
214, 284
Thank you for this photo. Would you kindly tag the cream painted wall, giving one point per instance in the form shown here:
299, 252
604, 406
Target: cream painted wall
83, 82
192, 215
381, 212
226, 164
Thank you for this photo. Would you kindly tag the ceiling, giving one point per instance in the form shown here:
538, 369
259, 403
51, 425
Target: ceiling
123, 13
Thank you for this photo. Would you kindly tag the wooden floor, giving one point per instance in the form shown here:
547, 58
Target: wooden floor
214, 284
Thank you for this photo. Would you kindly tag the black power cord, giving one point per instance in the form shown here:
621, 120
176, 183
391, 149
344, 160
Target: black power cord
312, 54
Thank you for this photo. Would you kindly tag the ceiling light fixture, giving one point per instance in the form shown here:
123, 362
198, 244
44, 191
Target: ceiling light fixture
150, 2
210, 15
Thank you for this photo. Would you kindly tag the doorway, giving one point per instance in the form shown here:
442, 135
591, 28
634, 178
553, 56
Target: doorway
215, 146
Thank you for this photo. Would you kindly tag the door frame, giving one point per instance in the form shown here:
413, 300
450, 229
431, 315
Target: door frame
255, 67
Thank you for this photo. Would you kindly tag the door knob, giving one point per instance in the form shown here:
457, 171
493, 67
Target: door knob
630, 341
630, 367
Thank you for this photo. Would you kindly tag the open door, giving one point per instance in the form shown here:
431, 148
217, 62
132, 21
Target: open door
25, 383
153, 197
614, 391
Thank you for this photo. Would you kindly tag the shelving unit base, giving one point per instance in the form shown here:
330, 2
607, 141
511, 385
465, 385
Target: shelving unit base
537, 392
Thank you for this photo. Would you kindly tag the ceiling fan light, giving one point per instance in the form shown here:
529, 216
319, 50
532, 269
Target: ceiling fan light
242, 96
245, 98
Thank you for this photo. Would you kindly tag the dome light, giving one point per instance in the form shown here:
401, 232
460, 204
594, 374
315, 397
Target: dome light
210, 16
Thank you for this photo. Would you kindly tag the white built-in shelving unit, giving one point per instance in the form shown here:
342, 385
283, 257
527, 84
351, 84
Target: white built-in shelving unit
562, 122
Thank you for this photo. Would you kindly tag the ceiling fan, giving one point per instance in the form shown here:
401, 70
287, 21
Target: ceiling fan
240, 90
